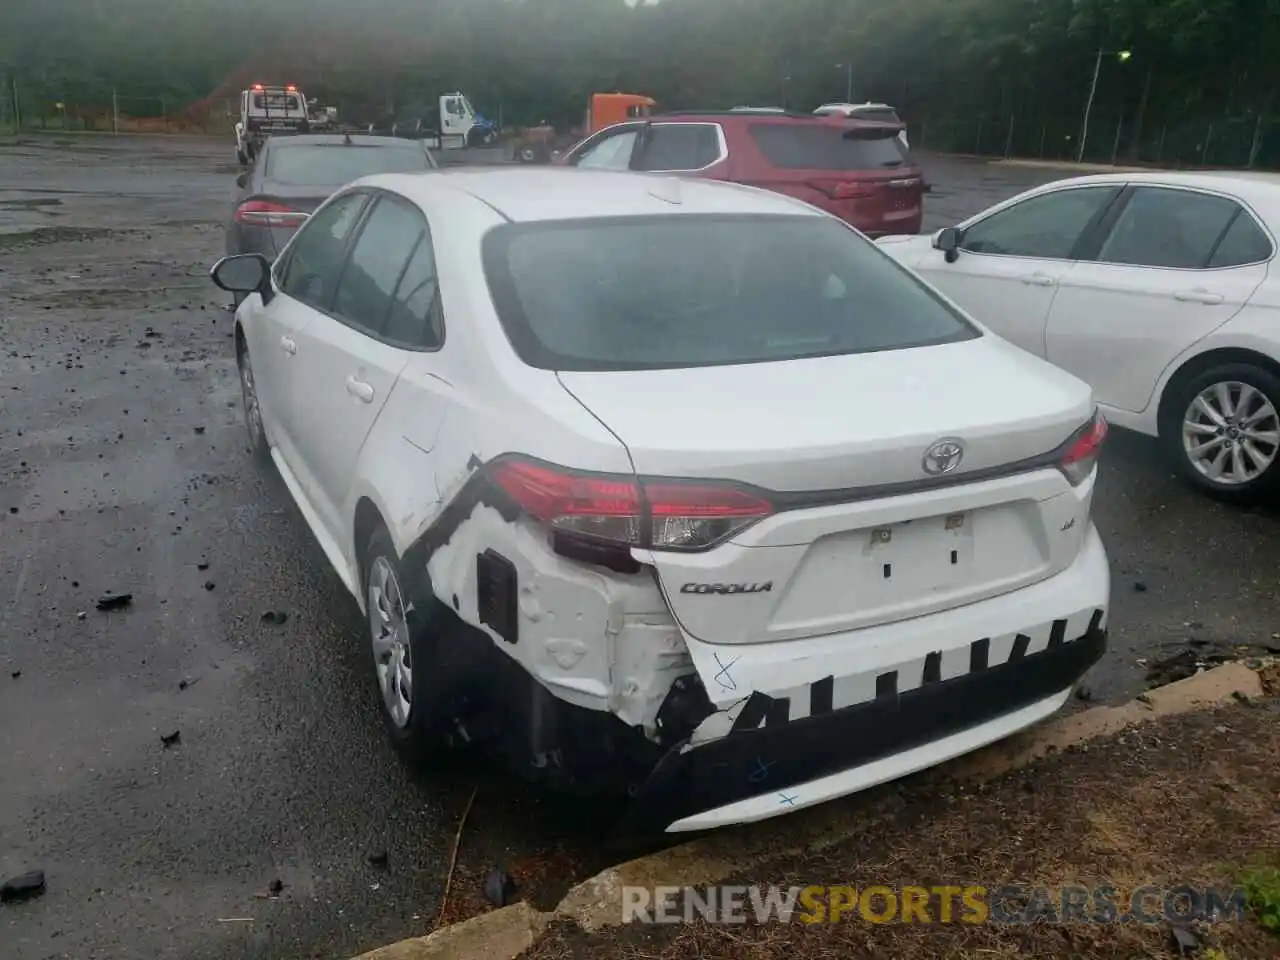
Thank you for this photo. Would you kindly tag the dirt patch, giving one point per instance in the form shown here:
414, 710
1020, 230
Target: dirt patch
45, 236
1190, 800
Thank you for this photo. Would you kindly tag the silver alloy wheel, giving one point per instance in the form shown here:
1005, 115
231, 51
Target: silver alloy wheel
249, 395
1231, 433
389, 630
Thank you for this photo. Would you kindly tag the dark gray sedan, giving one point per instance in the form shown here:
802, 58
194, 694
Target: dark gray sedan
292, 175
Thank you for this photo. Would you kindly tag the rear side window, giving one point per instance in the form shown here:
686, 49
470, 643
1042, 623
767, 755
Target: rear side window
416, 317
377, 261
697, 290
679, 146
1162, 227
823, 146
1244, 242
336, 164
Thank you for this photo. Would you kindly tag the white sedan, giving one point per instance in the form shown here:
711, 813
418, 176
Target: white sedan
672, 488
1155, 288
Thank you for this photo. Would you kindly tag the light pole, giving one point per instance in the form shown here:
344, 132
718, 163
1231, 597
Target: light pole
848, 80
1122, 56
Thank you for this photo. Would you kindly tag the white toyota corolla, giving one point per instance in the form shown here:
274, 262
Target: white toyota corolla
678, 489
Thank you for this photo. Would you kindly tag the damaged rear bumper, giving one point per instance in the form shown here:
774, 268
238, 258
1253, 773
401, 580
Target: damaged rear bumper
755, 774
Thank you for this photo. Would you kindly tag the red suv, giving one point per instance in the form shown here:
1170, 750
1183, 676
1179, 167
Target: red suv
859, 171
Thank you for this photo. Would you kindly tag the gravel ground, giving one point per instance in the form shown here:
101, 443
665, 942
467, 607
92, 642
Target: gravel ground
123, 469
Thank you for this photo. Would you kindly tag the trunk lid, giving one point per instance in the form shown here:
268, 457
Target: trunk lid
821, 435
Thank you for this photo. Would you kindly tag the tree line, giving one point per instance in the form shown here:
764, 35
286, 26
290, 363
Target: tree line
990, 75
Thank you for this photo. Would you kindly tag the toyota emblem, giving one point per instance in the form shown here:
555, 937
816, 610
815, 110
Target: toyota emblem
943, 456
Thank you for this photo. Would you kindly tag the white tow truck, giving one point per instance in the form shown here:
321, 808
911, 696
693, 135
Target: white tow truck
265, 110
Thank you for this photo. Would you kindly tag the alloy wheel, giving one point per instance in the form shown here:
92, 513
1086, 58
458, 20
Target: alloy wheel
1231, 433
389, 631
249, 395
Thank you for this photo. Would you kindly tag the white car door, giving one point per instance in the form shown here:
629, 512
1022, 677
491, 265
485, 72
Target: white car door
354, 354
303, 281
1009, 262
1175, 265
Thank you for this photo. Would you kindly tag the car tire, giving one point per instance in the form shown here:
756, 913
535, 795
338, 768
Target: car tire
527, 153
1223, 433
258, 444
405, 646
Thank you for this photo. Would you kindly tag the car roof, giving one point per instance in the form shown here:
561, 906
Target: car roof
525, 194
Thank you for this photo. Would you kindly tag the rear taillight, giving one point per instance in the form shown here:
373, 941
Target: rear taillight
1083, 450
268, 213
618, 509
842, 189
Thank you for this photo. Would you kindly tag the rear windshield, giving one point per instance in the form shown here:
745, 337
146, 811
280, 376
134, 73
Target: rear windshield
275, 101
697, 290
877, 114
821, 146
333, 165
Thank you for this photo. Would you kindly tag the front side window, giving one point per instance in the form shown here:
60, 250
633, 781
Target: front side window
378, 259
1046, 226
689, 290
310, 273
1162, 227
611, 153
679, 146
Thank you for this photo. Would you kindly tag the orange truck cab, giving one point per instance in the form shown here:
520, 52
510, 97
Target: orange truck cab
606, 109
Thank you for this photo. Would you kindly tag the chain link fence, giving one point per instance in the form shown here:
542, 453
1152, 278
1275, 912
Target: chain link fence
33, 111
1236, 142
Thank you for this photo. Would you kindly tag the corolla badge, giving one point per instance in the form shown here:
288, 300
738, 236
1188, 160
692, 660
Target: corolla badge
943, 456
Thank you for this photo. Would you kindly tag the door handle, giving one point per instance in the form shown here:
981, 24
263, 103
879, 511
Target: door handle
1038, 280
1198, 295
359, 389
289, 345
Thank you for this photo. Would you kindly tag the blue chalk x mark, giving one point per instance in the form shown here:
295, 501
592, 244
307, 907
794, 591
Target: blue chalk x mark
787, 801
723, 678
761, 771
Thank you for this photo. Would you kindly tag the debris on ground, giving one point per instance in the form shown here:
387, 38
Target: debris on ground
1183, 664
1185, 940
499, 888
170, 739
275, 617
114, 601
209, 585
15, 674
276, 887
26, 886
378, 858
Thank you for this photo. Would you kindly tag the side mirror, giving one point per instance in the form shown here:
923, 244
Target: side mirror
242, 273
948, 241
242, 180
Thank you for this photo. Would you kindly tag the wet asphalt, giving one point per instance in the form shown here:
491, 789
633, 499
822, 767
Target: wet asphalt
123, 469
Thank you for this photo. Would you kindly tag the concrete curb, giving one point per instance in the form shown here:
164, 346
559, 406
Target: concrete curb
597, 903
